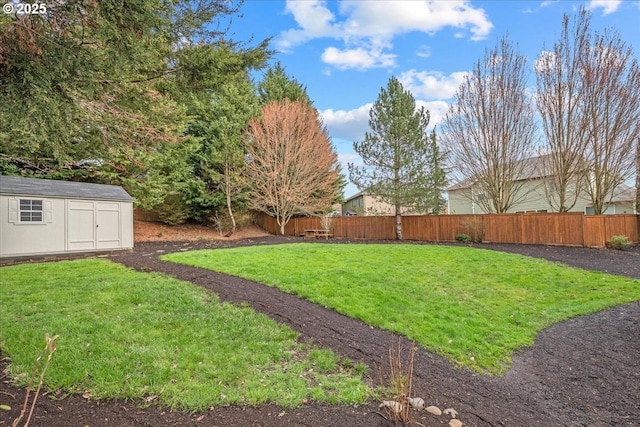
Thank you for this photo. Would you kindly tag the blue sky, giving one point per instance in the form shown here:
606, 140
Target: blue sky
344, 52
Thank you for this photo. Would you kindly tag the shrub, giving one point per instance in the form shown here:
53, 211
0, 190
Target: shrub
618, 242
475, 228
326, 221
172, 210
398, 381
464, 238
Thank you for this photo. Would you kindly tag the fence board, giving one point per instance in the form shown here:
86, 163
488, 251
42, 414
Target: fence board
594, 231
567, 229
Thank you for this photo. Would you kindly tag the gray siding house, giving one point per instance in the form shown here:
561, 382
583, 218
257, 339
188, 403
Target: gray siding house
466, 197
370, 205
41, 217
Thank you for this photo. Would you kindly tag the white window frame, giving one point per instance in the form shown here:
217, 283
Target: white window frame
29, 209
17, 208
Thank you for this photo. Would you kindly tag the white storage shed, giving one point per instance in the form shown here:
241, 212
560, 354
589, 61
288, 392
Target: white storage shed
42, 216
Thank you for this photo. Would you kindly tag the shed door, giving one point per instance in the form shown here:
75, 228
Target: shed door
107, 225
93, 225
81, 225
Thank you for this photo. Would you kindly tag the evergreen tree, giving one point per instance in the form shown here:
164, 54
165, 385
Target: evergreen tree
231, 108
114, 83
433, 201
401, 159
277, 86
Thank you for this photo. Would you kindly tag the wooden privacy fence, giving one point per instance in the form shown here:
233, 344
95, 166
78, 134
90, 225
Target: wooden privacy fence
566, 229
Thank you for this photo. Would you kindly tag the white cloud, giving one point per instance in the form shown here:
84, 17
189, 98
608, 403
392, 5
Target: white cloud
387, 19
542, 5
349, 125
608, 6
437, 111
545, 62
360, 58
314, 19
424, 52
367, 27
346, 158
431, 84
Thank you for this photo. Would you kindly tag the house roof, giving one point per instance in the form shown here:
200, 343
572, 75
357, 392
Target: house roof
355, 196
51, 188
624, 193
533, 167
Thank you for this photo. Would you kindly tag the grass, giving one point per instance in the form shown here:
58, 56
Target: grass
476, 307
130, 335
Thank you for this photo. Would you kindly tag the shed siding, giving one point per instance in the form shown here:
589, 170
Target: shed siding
126, 212
26, 238
69, 226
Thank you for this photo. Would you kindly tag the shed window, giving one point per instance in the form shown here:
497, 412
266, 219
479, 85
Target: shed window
31, 210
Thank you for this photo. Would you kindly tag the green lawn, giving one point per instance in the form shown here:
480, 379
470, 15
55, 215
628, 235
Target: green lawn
130, 335
474, 306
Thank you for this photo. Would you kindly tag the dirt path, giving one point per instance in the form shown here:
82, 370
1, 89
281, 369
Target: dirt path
583, 372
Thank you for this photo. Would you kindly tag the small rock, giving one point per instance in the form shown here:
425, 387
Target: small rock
392, 404
455, 423
434, 410
416, 403
450, 411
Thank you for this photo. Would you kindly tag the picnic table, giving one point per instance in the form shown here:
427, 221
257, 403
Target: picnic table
308, 234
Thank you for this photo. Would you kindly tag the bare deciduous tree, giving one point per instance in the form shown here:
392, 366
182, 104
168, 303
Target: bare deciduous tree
559, 101
489, 128
292, 165
611, 106
638, 175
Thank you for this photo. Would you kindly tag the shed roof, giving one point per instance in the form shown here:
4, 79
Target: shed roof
64, 189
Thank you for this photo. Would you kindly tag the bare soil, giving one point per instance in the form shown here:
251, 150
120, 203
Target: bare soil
582, 372
144, 231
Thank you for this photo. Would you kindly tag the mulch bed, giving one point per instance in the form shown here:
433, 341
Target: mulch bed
582, 372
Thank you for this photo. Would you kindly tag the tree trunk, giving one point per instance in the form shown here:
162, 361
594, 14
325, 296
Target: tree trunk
227, 187
282, 224
398, 223
638, 176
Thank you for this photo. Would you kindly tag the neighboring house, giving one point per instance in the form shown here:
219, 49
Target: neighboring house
367, 204
42, 216
622, 202
466, 198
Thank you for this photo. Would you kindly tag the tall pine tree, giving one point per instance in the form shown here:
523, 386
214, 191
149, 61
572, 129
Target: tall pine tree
401, 158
